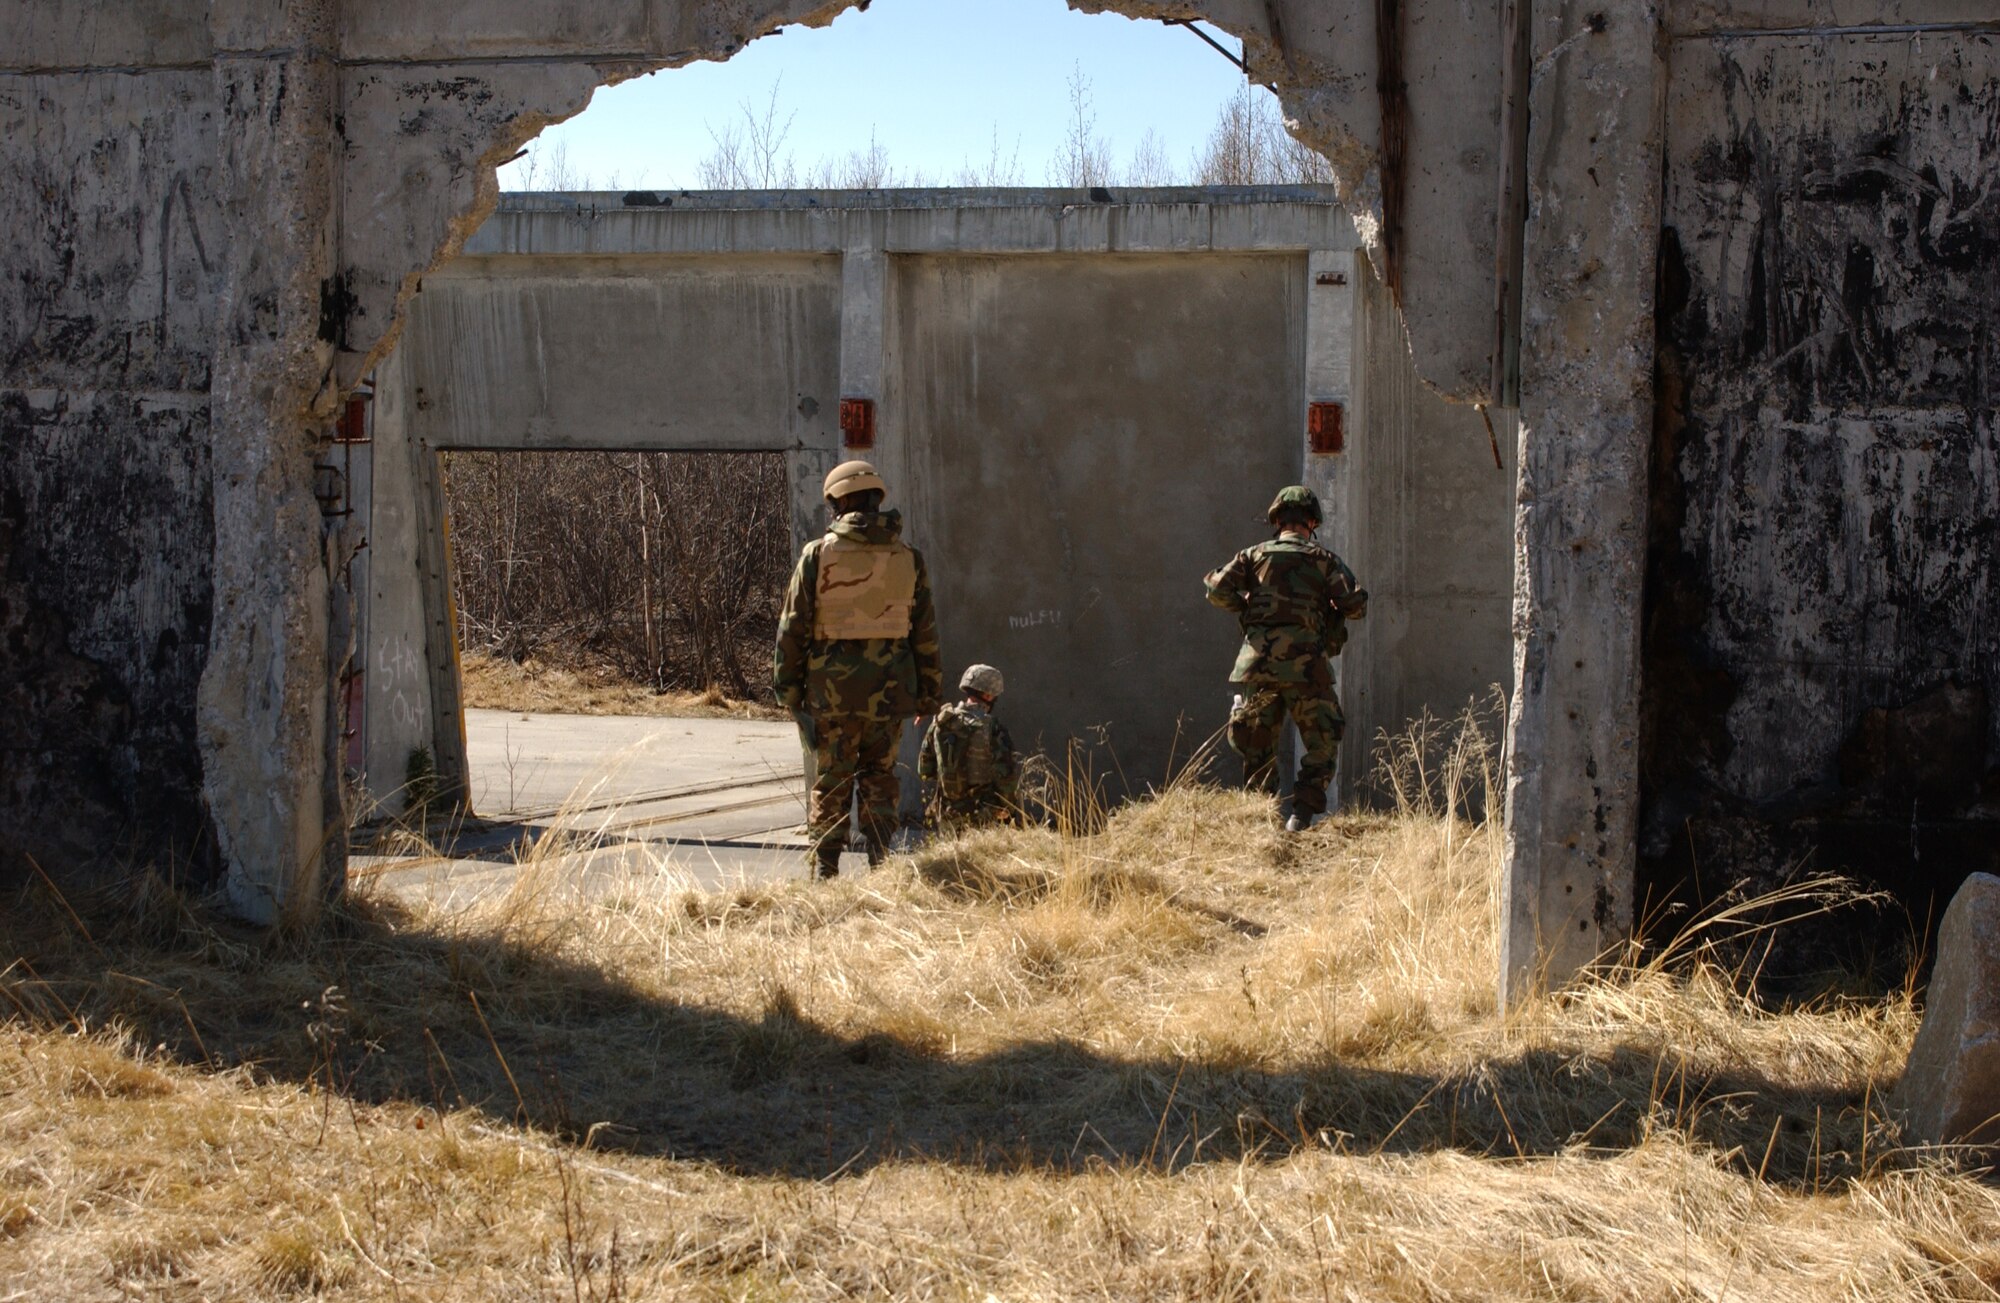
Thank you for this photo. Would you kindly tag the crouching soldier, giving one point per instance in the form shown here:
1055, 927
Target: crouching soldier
857, 654
1293, 599
968, 768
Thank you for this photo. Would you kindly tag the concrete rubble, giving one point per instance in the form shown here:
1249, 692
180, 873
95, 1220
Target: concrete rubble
1950, 1092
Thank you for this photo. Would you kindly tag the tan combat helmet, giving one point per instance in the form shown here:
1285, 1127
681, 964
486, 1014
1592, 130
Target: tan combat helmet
852, 477
982, 679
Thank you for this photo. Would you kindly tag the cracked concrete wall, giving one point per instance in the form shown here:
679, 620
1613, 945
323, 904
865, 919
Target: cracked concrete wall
1823, 627
108, 315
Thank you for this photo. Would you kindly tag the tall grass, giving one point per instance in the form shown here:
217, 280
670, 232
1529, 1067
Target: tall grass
1163, 1051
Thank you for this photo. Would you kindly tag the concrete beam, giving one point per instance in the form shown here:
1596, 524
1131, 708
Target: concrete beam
719, 354
1173, 219
1586, 421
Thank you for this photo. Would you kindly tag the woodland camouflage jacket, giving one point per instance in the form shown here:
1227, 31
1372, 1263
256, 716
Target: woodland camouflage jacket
874, 678
1293, 599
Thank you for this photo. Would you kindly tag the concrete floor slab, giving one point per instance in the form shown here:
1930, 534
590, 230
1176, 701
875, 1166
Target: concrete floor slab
605, 803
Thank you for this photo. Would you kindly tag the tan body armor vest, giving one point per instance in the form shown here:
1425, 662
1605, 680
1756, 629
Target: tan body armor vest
865, 590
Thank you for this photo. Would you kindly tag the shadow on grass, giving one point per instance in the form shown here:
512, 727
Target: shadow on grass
378, 1008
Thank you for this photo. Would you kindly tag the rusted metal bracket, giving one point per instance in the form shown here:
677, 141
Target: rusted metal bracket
1218, 46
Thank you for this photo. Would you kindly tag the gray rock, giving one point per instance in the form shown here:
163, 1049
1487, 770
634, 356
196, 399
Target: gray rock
1950, 1092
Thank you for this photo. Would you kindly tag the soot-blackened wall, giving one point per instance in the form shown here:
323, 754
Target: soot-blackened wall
1822, 650
107, 325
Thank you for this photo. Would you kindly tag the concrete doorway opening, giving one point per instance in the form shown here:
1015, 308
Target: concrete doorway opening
614, 613
584, 582
600, 624
1082, 400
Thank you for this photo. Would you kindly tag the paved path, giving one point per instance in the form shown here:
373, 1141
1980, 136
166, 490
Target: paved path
714, 801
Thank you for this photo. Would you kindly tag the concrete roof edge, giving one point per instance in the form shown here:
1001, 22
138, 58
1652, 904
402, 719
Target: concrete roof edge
934, 197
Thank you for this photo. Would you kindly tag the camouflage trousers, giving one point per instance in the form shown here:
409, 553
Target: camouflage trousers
853, 754
1256, 725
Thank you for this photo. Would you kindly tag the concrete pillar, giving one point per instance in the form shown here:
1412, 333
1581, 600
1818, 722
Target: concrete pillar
396, 681
263, 706
863, 296
864, 273
864, 305
448, 751
1379, 427
864, 288
1594, 159
1331, 277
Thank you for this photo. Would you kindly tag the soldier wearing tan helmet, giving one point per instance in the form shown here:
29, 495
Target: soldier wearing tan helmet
857, 654
968, 767
1293, 599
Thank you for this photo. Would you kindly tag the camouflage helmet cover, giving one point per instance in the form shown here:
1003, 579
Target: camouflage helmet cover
1294, 495
982, 678
852, 477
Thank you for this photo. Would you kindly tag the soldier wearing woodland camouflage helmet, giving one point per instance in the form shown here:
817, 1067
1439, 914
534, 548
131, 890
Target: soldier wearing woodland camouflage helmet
968, 768
1293, 599
857, 654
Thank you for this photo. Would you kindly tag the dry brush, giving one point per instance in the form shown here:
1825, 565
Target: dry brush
1174, 1055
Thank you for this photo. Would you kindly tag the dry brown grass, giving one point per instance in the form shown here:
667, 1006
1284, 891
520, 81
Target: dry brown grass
1183, 1057
496, 683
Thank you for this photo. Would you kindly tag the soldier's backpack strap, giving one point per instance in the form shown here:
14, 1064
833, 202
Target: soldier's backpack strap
950, 734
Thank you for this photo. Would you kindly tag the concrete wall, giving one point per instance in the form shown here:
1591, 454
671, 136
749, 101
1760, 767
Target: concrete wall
1427, 484
1823, 639
676, 351
1083, 406
1079, 441
108, 318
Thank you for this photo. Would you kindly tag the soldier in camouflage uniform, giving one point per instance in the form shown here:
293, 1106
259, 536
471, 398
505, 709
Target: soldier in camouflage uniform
968, 767
857, 654
1293, 599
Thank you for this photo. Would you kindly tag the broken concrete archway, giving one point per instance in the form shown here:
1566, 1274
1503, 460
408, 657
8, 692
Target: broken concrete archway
258, 192
413, 112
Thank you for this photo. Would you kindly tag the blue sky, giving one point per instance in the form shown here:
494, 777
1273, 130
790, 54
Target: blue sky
935, 82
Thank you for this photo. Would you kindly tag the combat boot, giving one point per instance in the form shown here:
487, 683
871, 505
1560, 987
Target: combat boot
826, 860
1300, 822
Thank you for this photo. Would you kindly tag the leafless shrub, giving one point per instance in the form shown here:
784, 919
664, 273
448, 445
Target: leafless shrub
668, 567
1249, 146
